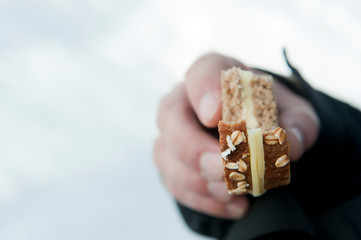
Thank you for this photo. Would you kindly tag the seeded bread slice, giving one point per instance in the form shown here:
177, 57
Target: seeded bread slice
236, 163
249, 110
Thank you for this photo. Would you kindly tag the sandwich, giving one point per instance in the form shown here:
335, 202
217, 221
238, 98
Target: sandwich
254, 148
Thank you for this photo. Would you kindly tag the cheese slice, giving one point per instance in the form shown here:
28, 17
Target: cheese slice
255, 142
255, 139
247, 99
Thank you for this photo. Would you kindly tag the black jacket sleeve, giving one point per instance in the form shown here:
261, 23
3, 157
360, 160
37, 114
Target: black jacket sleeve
328, 175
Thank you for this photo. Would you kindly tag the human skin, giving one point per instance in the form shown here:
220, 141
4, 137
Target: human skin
188, 155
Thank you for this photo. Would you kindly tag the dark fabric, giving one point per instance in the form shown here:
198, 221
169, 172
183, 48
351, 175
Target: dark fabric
324, 198
342, 222
329, 173
204, 224
279, 212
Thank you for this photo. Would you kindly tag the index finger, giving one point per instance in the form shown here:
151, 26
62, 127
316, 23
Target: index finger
203, 86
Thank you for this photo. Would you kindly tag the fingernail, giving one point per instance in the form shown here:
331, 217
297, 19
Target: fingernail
298, 134
208, 106
218, 190
235, 210
211, 165
295, 138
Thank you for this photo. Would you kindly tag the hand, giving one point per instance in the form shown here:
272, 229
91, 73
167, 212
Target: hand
189, 157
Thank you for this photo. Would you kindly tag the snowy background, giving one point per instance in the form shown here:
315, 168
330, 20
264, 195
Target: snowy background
79, 86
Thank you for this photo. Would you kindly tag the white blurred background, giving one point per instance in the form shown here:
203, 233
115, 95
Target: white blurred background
79, 86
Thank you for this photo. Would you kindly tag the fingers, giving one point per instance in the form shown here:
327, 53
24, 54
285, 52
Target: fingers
235, 209
203, 86
194, 191
211, 166
177, 172
182, 132
299, 119
184, 177
190, 162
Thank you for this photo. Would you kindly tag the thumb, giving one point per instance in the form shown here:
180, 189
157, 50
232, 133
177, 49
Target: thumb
203, 86
299, 119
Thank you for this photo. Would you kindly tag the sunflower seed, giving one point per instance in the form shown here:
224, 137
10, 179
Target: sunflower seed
238, 191
282, 137
231, 165
271, 142
237, 137
278, 132
242, 166
230, 144
225, 154
282, 161
236, 176
242, 184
